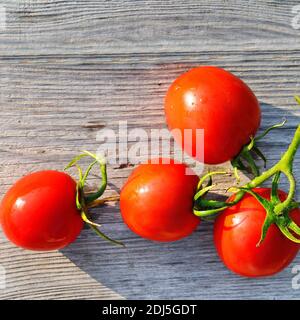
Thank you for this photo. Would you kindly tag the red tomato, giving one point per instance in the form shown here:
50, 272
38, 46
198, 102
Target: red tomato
237, 231
39, 211
157, 201
215, 100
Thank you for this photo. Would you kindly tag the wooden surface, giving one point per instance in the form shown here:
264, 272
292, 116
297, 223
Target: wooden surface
69, 68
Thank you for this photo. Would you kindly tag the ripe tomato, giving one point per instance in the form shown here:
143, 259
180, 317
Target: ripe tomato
157, 201
39, 211
237, 231
215, 100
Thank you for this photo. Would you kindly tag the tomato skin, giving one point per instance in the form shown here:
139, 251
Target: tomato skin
157, 202
39, 211
215, 100
237, 231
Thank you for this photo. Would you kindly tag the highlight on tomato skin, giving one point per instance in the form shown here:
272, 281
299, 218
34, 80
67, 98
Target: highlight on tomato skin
156, 202
39, 211
215, 100
237, 231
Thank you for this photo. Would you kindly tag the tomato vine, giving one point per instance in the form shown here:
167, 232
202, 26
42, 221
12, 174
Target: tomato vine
276, 211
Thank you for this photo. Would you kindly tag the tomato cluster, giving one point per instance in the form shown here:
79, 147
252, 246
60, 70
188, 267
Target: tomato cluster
156, 201
257, 230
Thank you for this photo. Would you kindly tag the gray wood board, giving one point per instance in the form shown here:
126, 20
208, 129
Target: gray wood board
70, 68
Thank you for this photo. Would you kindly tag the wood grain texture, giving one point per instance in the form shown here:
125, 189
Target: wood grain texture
71, 68
93, 27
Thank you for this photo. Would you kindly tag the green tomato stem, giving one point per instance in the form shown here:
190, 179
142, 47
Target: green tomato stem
86, 201
204, 208
244, 161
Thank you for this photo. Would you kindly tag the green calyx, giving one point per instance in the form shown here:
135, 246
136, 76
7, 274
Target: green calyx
245, 161
277, 211
282, 220
89, 200
203, 207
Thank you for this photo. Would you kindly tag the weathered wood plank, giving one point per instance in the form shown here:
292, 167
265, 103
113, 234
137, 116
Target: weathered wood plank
70, 68
85, 27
